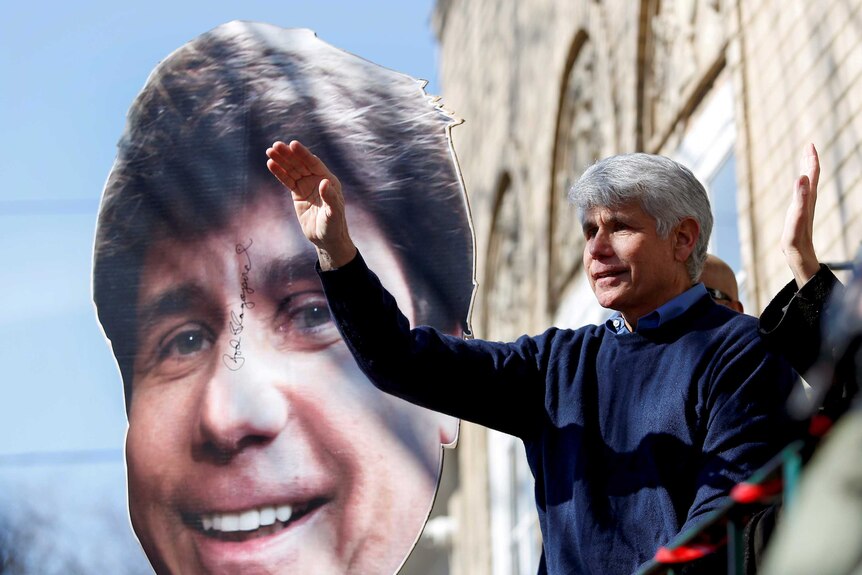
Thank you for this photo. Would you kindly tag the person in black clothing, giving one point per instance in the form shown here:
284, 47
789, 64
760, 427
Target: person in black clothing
792, 322
817, 324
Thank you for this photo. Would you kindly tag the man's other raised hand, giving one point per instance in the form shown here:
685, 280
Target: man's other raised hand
797, 239
317, 199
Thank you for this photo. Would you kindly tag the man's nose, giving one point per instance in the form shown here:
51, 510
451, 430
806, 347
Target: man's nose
240, 409
599, 245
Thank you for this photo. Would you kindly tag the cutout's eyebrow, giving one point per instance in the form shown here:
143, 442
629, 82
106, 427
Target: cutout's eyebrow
281, 271
176, 300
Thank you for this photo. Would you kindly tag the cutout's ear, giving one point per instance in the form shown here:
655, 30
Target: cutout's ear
449, 427
685, 235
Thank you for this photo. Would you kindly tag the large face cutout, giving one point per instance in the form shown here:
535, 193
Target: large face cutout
255, 445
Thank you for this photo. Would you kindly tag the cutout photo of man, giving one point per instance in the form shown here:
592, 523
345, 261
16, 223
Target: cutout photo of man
255, 444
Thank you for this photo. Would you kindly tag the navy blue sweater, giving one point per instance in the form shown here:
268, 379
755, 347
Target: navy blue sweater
631, 438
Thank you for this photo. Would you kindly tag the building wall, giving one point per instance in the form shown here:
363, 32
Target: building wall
800, 66
546, 87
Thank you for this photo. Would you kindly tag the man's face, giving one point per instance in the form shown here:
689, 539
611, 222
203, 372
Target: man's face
631, 269
255, 444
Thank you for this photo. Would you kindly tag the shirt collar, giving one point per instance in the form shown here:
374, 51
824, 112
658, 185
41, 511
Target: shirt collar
663, 314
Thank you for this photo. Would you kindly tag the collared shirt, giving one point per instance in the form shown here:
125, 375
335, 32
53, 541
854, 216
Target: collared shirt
666, 312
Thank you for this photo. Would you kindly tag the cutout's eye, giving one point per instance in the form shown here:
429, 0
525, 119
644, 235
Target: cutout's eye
185, 342
311, 316
304, 321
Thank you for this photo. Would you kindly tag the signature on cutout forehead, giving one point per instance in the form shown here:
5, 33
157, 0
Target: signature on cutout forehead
239, 479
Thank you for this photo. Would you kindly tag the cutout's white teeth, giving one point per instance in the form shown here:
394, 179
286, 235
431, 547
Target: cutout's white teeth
267, 516
250, 520
246, 520
230, 522
283, 513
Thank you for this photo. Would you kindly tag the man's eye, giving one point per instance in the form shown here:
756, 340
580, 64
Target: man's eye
187, 342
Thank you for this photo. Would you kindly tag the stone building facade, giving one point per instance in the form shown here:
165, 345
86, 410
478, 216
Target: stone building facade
732, 88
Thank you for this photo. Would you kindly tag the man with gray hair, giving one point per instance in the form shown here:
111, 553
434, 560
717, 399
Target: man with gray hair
634, 430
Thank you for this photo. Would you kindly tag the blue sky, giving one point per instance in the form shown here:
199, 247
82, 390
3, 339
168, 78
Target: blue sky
69, 73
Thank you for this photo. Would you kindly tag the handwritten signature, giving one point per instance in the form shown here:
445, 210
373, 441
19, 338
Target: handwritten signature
235, 359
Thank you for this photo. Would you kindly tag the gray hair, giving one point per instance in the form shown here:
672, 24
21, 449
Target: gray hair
666, 190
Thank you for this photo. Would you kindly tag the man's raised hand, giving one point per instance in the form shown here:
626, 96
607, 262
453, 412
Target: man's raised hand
797, 239
317, 199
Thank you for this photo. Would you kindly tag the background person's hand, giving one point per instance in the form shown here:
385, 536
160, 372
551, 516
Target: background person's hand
797, 239
317, 199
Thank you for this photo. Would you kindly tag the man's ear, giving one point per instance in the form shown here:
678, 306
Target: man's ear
685, 236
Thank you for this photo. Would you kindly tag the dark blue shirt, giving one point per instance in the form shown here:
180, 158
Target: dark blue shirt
630, 439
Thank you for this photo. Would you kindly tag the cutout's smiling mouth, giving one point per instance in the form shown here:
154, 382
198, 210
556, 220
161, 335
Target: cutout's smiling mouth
251, 523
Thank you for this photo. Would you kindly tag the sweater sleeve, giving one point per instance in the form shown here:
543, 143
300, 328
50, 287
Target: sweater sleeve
745, 422
791, 324
498, 385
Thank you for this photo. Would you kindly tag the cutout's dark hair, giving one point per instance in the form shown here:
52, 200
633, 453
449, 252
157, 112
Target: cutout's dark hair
193, 152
